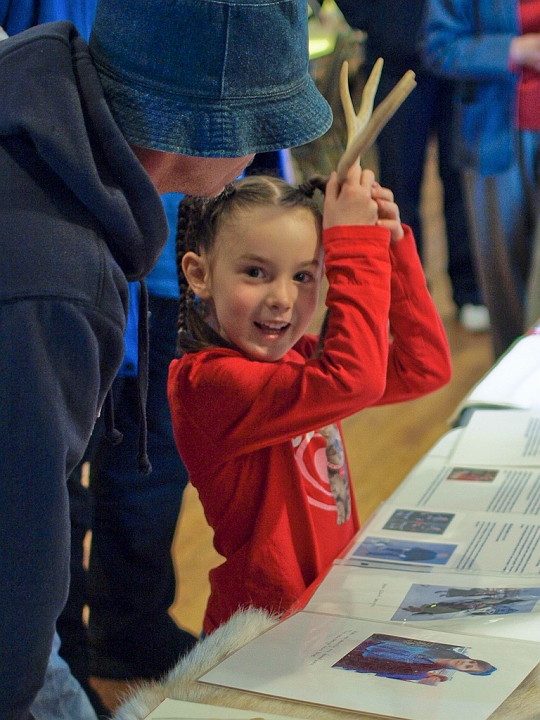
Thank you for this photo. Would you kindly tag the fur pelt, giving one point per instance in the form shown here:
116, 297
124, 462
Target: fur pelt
181, 682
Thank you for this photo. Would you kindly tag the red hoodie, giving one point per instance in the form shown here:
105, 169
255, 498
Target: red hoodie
262, 440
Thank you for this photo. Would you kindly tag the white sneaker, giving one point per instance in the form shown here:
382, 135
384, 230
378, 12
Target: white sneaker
474, 318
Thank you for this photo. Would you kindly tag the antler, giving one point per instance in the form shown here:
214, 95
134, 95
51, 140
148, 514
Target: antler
364, 127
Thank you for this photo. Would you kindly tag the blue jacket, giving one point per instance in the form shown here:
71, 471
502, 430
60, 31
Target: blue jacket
486, 134
22, 14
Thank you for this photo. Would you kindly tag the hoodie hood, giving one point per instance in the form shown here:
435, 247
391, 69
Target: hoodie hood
51, 97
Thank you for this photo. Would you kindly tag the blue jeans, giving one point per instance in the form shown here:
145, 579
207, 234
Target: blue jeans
131, 582
61, 697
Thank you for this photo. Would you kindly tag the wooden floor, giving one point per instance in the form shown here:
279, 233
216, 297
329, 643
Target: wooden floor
383, 444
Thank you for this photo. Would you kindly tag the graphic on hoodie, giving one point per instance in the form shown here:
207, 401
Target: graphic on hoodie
321, 460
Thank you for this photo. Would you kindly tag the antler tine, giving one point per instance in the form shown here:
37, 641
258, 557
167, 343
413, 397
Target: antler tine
368, 95
365, 138
346, 102
357, 122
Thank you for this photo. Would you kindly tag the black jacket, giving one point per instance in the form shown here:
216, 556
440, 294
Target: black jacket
393, 30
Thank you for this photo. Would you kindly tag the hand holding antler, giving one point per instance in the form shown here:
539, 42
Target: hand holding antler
350, 202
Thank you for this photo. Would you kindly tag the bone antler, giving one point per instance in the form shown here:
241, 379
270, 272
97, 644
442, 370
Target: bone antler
364, 127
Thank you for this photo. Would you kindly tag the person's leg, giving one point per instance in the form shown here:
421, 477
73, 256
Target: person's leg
70, 625
461, 265
532, 302
498, 213
131, 574
402, 149
61, 697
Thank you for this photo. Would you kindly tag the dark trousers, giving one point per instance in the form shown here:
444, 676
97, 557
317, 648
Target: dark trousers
402, 146
503, 214
131, 581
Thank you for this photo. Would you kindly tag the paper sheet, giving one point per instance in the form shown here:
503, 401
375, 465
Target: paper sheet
499, 437
329, 661
181, 710
513, 382
435, 484
406, 538
450, 602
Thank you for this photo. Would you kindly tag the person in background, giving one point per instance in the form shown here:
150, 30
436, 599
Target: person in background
493, 49
256, 403
18, 16
90, 136
393, 30
130, 583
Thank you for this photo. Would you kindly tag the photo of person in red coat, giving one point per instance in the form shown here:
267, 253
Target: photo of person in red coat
256, 402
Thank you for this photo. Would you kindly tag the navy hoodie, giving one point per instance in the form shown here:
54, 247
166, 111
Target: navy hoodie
79, 216
53, 112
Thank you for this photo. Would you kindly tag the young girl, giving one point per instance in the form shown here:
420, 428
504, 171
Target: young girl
256, 405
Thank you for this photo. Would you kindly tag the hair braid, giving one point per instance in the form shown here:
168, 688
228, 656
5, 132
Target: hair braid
190, 214
317, 182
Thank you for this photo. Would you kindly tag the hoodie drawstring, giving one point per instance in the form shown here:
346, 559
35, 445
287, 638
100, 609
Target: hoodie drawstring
142, 379
111, 433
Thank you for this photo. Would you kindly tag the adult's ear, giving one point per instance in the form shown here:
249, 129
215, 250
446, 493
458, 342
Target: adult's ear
197, 274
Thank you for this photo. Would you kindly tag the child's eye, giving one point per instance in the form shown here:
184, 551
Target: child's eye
303, 277
254, 272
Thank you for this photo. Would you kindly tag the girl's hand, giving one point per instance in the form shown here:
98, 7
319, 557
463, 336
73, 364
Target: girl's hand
388, 211
351, 203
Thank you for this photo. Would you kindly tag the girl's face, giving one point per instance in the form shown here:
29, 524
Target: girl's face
263, 277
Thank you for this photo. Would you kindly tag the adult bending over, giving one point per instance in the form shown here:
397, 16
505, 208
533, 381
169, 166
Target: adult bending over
167, 97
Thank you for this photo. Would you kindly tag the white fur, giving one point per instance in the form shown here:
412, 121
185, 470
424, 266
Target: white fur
181, 683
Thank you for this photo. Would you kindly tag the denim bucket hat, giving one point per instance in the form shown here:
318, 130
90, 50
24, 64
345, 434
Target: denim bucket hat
211, 78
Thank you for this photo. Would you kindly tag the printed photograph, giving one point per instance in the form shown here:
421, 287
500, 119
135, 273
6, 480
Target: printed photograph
404, 550
418, 521
418, 661
436, 602
473, 474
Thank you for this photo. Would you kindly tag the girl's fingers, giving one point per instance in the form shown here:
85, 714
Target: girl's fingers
353, 177
395, 227
378, 191
367, 179
332, 187
387, 208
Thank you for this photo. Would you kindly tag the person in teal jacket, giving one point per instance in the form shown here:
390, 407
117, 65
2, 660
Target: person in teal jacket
493, 49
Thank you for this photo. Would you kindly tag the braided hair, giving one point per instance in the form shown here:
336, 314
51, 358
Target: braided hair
199, 221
